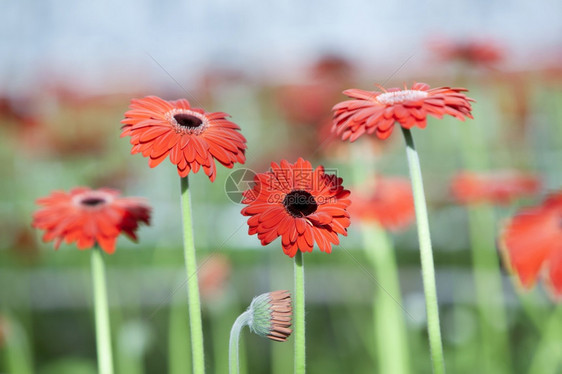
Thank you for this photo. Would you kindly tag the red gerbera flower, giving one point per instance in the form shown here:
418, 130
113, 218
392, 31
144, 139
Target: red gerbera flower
532, 242
474, 52
498, 188
332, 67
375, 112
190, 136
89, 217
305, 104
213, 276
300, 204
390, 203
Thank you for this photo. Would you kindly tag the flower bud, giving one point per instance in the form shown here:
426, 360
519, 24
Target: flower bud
271, 315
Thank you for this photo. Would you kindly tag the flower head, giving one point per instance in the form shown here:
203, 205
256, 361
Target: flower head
377, 111
473, 52
301, 204
389, 203
332, 67
89, 217
270, 315
192, 138
305, 104
214, 274
500, 187
531, 242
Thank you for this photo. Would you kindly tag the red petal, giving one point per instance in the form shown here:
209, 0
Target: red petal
528, 240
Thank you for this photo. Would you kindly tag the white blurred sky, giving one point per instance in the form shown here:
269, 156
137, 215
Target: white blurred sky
92, 41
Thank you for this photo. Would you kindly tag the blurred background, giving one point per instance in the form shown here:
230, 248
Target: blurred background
67, 74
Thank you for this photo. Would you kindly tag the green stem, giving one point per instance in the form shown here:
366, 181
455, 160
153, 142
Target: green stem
529, 301
17, 352
103, 334
390, 330
548, 356
195, 324
426, 254
494, 335
179, 362
489, 291
241, 321
298, 316
242, 359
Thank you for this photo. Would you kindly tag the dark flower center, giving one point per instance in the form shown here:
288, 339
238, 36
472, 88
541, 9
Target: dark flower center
187, 120
300, 203
92, 201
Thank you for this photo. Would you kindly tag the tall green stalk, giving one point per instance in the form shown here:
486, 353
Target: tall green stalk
103, 333
426, 254
179, 361
390, 350
529, 301
17, 353
489, 291
548, 355
390, 329
298, 316
195, 323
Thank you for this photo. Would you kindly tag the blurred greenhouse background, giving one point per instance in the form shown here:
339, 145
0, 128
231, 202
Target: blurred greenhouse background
68, 72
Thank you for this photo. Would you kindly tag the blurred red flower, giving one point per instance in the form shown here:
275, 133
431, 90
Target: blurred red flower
191, 137
500, 187
531, 243
89, 217
389, 203
305, 104
301, 204
376, 112
214, 273
309, 101
332, 67
474, 52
